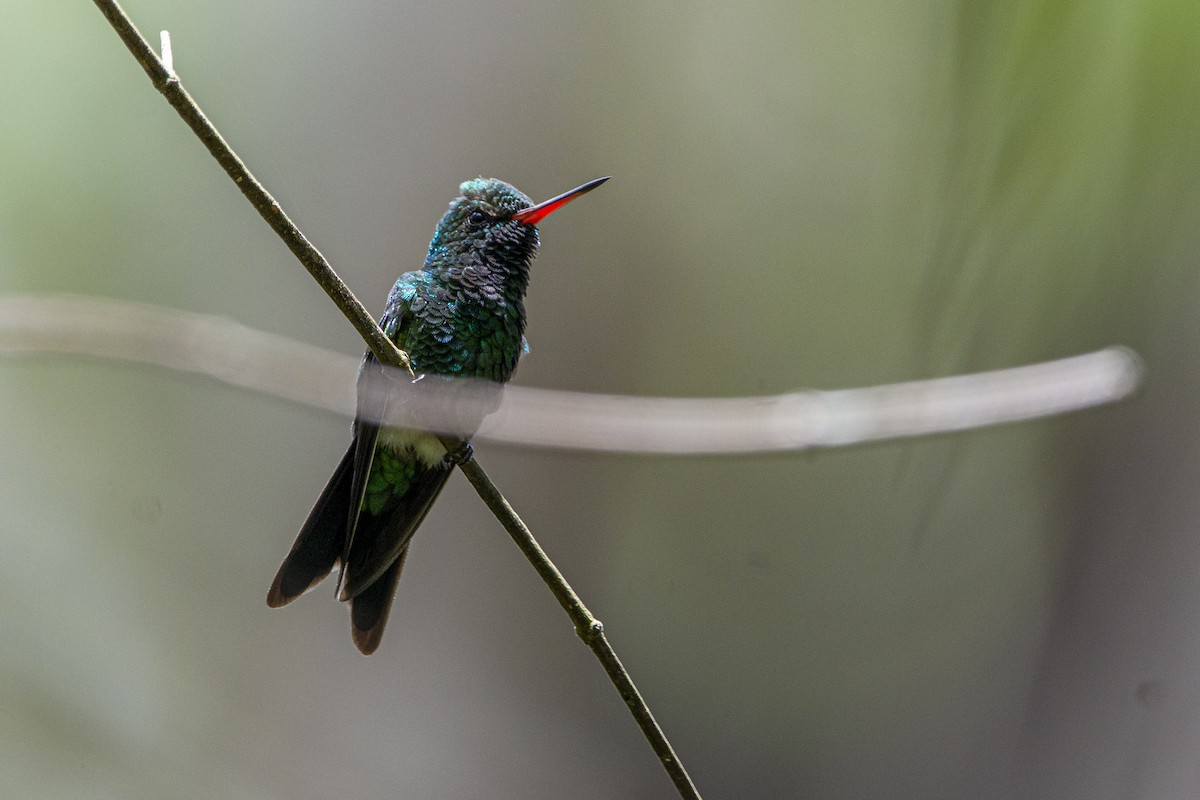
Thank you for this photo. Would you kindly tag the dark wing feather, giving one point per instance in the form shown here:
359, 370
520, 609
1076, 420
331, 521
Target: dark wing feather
319, 544
380, 544
366, 435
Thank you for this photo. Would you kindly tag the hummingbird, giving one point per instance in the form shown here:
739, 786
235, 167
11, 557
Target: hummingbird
462, 314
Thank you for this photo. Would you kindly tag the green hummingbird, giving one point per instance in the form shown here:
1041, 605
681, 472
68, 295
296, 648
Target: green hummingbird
461, 315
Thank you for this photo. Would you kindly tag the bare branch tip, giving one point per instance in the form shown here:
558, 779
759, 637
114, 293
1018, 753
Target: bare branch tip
168, 57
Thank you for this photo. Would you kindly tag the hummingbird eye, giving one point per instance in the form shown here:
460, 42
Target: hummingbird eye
476, 217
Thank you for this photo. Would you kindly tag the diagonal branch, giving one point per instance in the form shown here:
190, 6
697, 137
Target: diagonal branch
589, 628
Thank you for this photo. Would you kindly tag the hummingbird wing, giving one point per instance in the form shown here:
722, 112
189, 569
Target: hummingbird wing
366, 436
376, 542
371, 546
319, 543
372, 407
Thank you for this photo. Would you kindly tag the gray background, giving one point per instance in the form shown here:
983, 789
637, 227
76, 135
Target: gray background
805, 194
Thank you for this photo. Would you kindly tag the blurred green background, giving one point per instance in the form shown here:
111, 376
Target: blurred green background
805, 195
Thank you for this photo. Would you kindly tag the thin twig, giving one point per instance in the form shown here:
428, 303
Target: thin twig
388, 353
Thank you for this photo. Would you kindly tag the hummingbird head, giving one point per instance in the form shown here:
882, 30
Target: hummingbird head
493, 223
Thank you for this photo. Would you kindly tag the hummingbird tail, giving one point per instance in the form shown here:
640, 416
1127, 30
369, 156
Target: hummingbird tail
371, 557
319, 544
369, 609
380, 540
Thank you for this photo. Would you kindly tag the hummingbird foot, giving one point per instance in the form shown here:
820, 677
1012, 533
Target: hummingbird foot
460, 455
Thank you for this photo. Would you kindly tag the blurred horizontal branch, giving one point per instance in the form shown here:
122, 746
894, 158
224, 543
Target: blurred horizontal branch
313, 376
